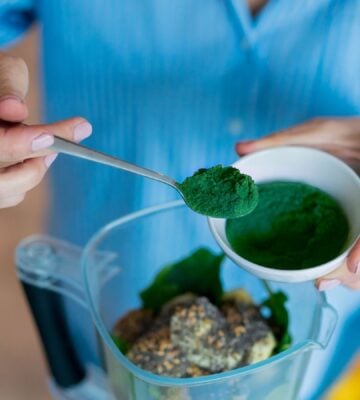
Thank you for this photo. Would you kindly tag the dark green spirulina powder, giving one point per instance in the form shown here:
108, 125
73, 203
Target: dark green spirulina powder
220, 192
294, 226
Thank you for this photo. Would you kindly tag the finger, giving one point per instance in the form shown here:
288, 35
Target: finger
20, 141
75, 129
14, 82
292, 135
353, 260
274, 140
342, 275
20, 178
349, 155
11, 201
320, 133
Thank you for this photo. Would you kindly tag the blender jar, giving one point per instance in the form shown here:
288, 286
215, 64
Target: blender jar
121, 260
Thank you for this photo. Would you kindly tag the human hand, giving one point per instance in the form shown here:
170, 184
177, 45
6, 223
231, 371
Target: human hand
347, 274
338, 136
22, 160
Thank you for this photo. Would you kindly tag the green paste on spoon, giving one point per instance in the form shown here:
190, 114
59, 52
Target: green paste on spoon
220, 192
294, 226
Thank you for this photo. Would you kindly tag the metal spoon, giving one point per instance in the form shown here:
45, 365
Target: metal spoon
67, 147
244, 207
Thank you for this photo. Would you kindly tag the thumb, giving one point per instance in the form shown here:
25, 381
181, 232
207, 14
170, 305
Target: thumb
353, 261
19, 141
348, 273
14, 82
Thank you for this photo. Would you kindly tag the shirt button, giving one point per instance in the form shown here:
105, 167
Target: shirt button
235, 126
244, 44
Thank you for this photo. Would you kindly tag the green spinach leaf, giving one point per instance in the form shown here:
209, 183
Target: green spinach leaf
123, 345
199, 273
279, 318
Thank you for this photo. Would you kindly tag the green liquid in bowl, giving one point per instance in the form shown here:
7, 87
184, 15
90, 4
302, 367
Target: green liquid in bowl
294, 226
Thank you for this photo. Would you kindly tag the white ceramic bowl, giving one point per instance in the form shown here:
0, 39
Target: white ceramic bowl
307, 165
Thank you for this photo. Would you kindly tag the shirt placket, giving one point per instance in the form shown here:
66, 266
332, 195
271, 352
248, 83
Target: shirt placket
241, 21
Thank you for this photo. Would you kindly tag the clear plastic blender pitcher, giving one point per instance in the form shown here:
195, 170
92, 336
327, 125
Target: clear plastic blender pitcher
106, 278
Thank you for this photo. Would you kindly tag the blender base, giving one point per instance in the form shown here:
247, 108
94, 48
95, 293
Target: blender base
93, 387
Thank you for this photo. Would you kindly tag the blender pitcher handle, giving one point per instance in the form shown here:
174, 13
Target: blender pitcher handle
328, 320
49, 269
53, 264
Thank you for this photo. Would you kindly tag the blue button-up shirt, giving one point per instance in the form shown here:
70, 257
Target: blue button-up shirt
172, 85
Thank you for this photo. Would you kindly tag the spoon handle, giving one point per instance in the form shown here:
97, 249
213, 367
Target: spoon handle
73, 149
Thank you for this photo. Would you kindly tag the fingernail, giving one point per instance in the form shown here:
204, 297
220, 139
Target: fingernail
327, 284
11, 97
50, 159
82, 131
42, 142
245, 142
244, 147
357, 269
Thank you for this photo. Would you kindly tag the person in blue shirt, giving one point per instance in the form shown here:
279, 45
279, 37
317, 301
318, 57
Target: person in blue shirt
172, 86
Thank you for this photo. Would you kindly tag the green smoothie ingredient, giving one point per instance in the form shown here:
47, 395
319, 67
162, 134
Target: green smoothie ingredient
199, 273
220, 192
294, 226
189, 326
279, 318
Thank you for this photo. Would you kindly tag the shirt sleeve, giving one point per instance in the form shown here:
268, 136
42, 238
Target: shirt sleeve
15, 18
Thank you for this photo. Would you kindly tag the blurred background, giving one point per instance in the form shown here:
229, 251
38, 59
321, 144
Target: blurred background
22, 369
